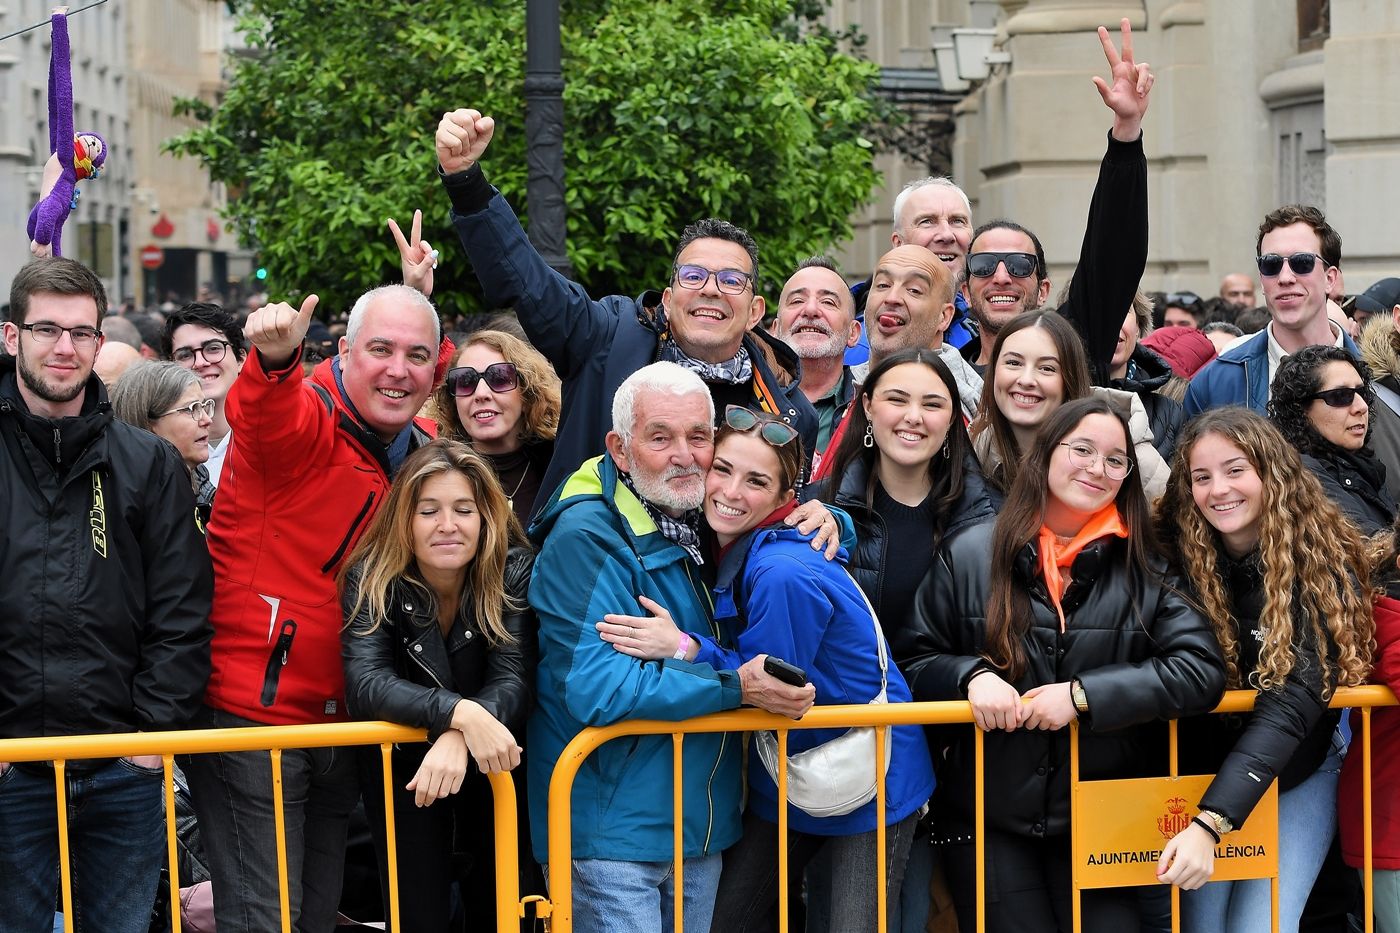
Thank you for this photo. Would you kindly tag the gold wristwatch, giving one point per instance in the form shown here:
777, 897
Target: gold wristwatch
1221, 822
1076, 694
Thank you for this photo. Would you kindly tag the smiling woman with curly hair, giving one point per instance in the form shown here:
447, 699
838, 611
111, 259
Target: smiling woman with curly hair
1280, 575
1321, 401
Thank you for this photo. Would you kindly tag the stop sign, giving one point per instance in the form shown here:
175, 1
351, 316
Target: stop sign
152, 256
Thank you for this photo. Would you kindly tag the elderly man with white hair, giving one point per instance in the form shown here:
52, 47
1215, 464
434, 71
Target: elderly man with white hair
622, 535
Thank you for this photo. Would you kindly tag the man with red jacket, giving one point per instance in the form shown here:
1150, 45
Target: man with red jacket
312, 464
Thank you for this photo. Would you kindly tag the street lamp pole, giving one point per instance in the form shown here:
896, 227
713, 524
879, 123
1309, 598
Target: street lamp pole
544, 133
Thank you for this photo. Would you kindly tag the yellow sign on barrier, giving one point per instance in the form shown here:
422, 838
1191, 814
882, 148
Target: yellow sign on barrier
1123, 825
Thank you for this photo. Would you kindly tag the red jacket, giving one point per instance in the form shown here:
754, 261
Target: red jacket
1385, 758
302, 480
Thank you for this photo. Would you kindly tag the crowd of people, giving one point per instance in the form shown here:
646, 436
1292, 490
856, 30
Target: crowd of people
927, 486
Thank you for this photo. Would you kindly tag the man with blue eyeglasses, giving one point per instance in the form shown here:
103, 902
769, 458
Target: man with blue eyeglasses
704, 320
1299, 255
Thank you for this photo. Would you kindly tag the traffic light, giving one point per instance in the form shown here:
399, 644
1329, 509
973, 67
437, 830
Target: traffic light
261, 274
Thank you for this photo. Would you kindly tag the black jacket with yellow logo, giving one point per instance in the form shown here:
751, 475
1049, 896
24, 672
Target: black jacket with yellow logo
105, 580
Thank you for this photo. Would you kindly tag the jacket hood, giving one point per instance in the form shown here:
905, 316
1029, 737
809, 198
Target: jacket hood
1152, 372
1378, 348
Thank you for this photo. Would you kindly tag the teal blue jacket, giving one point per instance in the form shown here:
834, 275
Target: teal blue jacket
599, 550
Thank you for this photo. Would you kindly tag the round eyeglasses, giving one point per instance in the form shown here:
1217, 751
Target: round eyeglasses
204, 408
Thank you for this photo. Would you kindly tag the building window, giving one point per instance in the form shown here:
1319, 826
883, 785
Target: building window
1314, 24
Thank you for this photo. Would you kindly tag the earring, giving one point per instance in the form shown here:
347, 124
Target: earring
945, 450
869, 435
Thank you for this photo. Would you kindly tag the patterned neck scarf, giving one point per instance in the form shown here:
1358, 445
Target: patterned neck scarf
736, 370
683, 531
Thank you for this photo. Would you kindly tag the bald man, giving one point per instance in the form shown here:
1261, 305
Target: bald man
1238, 289
114, 359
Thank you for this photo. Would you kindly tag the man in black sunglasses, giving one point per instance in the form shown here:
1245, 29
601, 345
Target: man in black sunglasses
1006, 270
1298, 255
704, 320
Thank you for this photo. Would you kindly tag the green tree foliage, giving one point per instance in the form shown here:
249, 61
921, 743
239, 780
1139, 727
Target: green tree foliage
673, 111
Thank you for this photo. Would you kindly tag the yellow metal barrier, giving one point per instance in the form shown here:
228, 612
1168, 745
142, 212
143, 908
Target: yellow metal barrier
559, 908
274, 739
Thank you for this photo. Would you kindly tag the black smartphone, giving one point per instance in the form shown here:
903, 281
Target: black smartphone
784, 671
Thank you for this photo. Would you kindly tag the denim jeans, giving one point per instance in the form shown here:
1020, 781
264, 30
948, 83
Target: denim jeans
908, 913
639, 897
748, 889
116, 839
1307, 821
232, 795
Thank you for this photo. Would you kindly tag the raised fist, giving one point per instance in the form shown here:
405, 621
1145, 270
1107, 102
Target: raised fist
462, 137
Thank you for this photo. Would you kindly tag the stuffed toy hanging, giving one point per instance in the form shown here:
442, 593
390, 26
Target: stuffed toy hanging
72, 159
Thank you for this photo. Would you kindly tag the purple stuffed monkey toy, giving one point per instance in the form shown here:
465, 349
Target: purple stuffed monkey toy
68, 162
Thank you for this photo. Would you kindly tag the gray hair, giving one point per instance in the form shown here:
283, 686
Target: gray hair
122, 331
147, 390
411, 295
940, 181
662, 377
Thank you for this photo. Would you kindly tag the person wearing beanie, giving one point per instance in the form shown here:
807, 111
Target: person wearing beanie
1186, 351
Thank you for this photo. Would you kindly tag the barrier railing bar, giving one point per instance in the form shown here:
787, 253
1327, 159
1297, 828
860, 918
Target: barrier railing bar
1366, 879
172, 853
1075, 844
280, 824
678, 828
881, 896
979, 842
60, 781
509, 907
1173, 770
391, 840
782, 832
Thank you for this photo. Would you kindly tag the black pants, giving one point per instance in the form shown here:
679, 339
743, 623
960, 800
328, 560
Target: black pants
1029, 889
449, 841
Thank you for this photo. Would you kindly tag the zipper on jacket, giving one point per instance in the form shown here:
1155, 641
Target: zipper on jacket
423, 664
57, 447
276, 661
349, 534
710, 792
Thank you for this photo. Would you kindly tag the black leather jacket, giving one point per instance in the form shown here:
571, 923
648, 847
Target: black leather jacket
1141, 651
401, 671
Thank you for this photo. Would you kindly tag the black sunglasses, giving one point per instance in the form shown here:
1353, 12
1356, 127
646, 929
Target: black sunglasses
1018, 265
775, 433
1341, 396
1271, 264
500, 377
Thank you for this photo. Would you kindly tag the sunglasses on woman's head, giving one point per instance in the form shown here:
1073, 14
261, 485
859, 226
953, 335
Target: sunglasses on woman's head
500, 377
1339, 397
774, 432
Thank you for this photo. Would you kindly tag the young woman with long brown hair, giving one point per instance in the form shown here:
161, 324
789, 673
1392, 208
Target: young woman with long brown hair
1282, 577
1060, 610
438, 635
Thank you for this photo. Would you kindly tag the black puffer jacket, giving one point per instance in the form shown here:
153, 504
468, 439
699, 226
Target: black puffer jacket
1149, 373
1140, 650
1290, 731
871, 554
106, 583
402, 672
1355, 481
